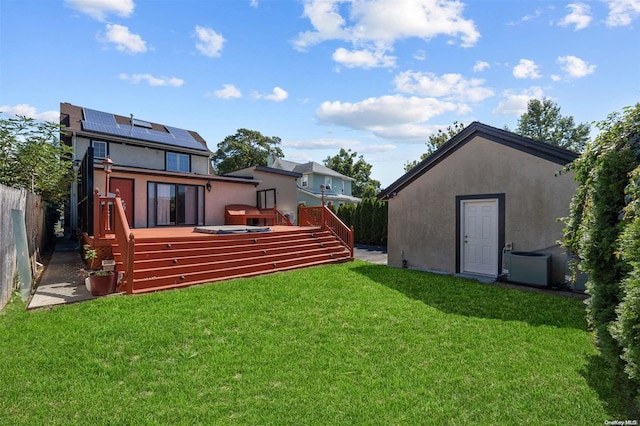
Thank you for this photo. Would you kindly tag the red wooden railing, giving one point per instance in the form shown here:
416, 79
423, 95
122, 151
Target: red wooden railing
326, 219
279, 218
109, 219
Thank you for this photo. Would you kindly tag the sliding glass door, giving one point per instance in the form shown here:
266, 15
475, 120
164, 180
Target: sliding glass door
171, 204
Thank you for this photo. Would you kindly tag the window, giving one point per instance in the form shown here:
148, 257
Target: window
305, 180
178, 162
99, 149
327, 183
175, 205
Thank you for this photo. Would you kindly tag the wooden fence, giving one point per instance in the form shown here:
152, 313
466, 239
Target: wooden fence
33, 210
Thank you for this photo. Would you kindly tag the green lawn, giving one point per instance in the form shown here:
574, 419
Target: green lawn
349, 344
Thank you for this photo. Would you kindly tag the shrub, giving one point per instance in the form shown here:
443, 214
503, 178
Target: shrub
604, 231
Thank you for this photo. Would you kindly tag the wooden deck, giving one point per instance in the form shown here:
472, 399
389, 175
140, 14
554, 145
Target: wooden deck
166, 258
152, 259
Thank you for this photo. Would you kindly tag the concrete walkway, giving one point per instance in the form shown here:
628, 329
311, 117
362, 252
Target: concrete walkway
371, 254
62, 281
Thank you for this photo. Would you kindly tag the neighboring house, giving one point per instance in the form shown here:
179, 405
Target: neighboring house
277, 188
163, 173
484, 191
337, 187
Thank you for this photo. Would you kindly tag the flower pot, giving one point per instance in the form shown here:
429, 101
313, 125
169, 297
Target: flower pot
102, 284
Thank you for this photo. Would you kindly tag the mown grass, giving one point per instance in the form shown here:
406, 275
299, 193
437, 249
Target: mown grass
347, 344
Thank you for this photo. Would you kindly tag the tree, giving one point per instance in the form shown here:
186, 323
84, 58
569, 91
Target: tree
359, 170
247, 148
543, 122
604, 230
435, 141
32, 157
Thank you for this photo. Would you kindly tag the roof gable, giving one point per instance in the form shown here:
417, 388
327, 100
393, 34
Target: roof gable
310, 167
542, 150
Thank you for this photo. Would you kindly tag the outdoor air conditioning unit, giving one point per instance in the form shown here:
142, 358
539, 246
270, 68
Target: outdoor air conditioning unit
528, 267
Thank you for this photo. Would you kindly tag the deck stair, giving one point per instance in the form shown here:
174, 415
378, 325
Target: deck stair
163, 263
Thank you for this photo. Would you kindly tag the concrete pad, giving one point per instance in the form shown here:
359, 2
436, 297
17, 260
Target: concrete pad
59, 294
371, 254
62, 281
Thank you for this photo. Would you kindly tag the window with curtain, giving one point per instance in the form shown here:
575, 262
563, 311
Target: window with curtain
175, 204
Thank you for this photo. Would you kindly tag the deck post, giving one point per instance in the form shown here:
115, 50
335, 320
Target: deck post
96, 214
323, 222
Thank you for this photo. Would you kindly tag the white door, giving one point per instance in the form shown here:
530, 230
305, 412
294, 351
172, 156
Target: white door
479, 236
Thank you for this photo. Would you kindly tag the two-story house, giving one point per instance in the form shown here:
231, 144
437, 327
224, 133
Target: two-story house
190, 225
162, 173
316, 179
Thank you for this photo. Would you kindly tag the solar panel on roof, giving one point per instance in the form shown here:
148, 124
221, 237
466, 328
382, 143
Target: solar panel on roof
103, 122
99, 117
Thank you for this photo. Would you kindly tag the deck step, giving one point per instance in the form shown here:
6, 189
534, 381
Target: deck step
199, 277
182, 261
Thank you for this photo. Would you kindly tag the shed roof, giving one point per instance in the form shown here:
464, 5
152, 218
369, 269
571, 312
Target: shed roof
265, 169
539, 149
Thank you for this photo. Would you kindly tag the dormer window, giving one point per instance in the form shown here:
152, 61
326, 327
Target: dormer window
305, 181
178, 162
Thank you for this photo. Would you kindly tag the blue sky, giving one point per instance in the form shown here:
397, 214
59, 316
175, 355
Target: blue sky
377, 77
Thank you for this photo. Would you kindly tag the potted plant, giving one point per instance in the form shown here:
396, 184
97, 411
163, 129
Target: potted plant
99, 282
90, 256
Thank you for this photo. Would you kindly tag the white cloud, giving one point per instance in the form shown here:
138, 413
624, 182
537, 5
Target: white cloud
535, 15
575, 67
99, 9
327, 22
124, 40
228, 91
515, 103
420, 55
209, 43
363, 58
374, 149
480, 66
151, 80
386, 116
383, 22
580, 16
278, 95
448, 86
417, 133
30, 112
253, 3
321, 143
622, 12
526, 69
